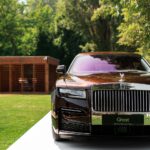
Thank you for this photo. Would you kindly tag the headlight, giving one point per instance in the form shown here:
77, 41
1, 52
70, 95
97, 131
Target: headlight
72, 93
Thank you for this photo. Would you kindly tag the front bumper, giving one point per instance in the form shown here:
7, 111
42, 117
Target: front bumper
69, 125
76, 117
139, 131
121, 130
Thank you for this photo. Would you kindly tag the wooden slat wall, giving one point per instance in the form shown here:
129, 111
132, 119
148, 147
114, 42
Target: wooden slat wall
4, 78
16, 74
40, 77
28, 76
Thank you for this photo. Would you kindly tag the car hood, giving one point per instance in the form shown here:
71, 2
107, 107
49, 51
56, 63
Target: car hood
104, 78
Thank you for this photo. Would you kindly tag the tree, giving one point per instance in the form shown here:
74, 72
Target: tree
135, 28
67, 43
10, 27
17, 36
62, 28
76, 15
40, 14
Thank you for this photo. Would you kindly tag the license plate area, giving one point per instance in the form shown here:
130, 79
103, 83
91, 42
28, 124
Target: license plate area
121, 130
123, 120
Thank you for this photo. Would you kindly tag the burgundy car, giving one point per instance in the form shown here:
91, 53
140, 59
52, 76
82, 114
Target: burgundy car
102, 94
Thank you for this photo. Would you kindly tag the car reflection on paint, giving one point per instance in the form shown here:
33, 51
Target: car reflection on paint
102, 94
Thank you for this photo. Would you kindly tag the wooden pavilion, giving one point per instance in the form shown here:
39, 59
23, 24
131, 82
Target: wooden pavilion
25, 74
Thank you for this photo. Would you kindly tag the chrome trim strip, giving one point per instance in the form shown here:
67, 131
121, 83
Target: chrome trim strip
119, 113
149, 102
71, 110
63, 132
143, 101
102, 100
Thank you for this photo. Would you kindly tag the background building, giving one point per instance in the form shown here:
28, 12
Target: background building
36, 74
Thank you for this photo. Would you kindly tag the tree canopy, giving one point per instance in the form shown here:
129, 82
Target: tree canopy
62, 28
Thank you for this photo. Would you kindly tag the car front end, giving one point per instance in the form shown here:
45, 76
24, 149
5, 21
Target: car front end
108, 103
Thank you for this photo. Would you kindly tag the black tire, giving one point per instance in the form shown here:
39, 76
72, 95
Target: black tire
56, 136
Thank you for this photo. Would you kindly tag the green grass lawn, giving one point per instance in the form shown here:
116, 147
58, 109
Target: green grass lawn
18, 113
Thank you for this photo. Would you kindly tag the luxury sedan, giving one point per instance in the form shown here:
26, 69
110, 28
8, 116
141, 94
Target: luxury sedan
102, 93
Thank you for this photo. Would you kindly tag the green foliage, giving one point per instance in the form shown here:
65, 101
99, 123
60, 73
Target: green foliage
111, 12
135, 28
69, 45
76, 15
15, 38
89, 47
62, 28
10, 30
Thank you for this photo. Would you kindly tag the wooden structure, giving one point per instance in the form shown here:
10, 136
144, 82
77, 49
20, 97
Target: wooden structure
27, 74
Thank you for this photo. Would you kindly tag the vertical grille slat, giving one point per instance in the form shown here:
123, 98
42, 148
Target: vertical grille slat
104, 101
126, 101
121, 101
134, 100
98, 101
118, 98
113, 102
140, 102
101, 106
122, 106
148, 102
129, 102
110, 101
143, 100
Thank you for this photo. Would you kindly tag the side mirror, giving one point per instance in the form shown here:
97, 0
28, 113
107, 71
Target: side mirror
61, 69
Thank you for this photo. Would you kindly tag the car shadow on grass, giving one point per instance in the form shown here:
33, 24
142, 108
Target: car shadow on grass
105, 143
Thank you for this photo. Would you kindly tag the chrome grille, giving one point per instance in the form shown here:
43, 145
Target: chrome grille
121, 101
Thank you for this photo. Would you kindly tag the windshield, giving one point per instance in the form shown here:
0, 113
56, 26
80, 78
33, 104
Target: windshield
88, 64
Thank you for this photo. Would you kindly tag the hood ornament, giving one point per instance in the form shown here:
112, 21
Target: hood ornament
122, 77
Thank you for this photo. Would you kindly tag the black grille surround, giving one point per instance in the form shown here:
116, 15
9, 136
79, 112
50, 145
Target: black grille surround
70, 124
121, 100
74, 126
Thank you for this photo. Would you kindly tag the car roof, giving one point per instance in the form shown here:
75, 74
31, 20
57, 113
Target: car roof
110, 53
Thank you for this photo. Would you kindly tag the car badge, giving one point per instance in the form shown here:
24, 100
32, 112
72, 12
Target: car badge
121, 77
